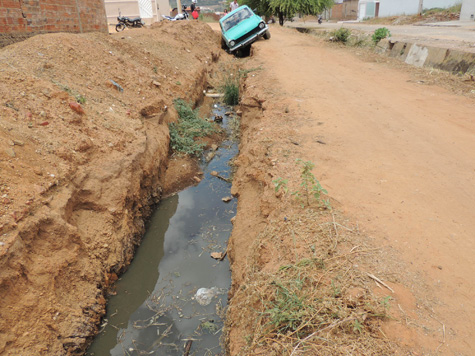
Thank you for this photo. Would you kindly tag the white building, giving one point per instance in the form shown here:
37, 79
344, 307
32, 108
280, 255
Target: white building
384, 8
149, 10
468, 10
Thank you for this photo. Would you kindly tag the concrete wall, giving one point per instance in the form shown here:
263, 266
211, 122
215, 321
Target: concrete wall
20, 19
453, 61
163, 8
468, 11
131, 8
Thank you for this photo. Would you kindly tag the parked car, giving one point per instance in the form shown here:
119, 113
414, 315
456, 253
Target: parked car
240, 28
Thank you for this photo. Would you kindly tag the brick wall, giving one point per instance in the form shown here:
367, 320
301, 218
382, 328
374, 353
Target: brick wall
20, 19
347, 10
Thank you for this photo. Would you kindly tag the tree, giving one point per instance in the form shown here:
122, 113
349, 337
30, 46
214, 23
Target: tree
288, 8
262, 7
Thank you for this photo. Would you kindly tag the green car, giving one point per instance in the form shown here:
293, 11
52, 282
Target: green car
240, 28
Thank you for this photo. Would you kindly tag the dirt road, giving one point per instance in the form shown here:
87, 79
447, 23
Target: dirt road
452, 34
396, 156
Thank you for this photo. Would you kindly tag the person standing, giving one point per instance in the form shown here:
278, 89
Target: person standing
234, 5
193, 5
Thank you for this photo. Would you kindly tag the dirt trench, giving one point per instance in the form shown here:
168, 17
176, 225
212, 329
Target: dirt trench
84, 146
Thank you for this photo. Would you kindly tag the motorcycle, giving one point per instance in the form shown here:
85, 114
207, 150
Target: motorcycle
320, 19
128, 22
183, 16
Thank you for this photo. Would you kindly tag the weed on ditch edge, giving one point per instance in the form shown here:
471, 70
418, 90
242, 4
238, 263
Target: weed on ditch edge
317, 301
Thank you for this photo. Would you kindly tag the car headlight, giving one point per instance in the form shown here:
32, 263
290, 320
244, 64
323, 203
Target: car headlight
232, 43
262, 25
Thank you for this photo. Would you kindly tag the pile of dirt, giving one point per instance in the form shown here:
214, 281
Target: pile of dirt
83, 150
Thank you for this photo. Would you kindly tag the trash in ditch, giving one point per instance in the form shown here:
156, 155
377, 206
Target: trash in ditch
210, 156
218, 255
204, 296
116, 86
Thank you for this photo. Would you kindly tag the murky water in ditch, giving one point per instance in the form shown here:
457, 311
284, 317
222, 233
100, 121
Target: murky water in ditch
155, 311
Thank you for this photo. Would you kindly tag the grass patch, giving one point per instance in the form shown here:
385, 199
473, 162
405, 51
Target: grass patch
306, 304
379, 34
190, 127
231, 91
451, 10
342, 35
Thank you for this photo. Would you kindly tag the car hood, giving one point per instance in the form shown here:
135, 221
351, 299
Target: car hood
242, 28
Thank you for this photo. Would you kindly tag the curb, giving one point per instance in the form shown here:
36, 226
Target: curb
454, 61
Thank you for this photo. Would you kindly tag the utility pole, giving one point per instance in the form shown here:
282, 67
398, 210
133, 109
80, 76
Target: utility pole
421, 7
178, 6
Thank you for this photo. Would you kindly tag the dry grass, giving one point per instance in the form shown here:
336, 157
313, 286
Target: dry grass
318, 300
428, 15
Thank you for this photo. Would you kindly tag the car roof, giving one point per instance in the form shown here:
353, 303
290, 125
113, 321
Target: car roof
234, 11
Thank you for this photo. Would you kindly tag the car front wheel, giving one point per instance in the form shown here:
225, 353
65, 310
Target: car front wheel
223, 44
266, 35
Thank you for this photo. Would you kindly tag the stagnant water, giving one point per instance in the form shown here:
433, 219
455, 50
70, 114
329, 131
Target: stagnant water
155, 311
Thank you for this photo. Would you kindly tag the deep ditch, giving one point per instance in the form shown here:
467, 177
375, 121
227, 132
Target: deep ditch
159, 307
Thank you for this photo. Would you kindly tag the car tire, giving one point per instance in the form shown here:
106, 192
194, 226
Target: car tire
223, 44
266, 35
243, 52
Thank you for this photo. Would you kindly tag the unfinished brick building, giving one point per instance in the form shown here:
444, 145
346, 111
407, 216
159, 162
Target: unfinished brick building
20, 19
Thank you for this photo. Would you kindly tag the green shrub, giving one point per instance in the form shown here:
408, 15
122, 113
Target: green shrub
190, 126
231, 91
379, 34
341, 35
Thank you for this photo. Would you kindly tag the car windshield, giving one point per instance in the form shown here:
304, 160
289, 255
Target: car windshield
236, 18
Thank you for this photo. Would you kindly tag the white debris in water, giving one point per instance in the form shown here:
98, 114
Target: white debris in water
204, 295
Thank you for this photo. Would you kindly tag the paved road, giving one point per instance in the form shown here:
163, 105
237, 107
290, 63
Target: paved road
454, 34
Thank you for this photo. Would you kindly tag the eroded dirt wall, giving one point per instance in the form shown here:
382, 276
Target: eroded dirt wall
84, 144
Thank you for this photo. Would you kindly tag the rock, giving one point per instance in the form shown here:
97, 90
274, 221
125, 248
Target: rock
233, 219
228, 113
214, 147
239, 113
18, 143
218, 118
157, 84
10, 152
214, 173
77, 108
197, 179
227, 199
